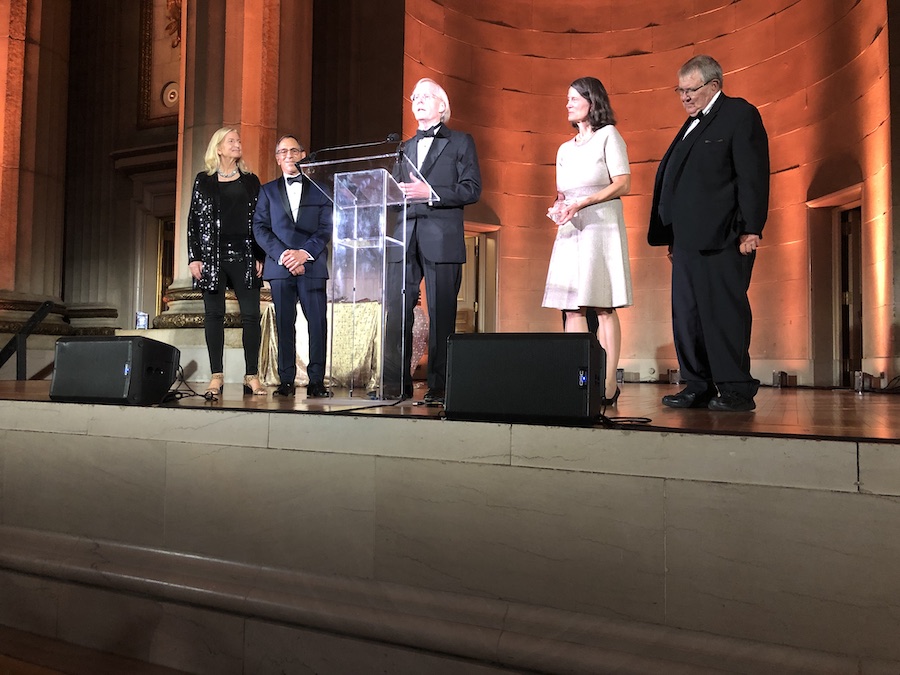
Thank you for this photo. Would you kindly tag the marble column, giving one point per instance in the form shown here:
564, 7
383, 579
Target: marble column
884, 269
248, 64
34, 37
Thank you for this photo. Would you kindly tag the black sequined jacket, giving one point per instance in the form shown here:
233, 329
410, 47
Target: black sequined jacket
204, 227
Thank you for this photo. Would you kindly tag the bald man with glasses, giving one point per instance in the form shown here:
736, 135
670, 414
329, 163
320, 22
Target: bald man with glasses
710, 203
292, 224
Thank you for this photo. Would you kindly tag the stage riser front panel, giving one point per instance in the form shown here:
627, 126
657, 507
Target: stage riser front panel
639, 525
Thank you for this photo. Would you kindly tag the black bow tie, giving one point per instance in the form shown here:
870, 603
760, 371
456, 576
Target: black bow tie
294, 179
427, 133
698, 117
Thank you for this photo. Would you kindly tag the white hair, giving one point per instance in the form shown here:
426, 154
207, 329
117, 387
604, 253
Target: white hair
441, 95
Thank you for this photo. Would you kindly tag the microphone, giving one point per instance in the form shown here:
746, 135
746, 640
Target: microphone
391, 138
400, 156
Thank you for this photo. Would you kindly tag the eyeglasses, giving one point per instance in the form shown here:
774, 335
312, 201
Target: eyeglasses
422, 97
289, 151
692, 90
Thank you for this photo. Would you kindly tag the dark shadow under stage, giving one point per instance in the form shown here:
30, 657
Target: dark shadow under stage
788, 412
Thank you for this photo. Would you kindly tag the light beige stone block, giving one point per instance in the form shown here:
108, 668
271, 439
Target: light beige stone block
825, 465
109, 488
578, 541
182, 629
226, 427
813, 569
879, 468
44, 416
152, 631
28, 603
648, 648
393, 437
274, 650
284, 508
229, 427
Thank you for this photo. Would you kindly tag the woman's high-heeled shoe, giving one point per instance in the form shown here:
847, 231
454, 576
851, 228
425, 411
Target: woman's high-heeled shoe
216, 383
605, 402
253, 386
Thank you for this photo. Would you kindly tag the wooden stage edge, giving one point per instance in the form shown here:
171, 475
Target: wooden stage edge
790, 412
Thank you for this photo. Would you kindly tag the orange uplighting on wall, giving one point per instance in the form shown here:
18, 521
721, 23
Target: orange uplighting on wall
817, 72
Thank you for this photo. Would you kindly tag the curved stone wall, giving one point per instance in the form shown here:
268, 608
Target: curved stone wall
817, 71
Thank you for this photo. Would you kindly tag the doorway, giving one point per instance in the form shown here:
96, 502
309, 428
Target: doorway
849, 297
165, 272
476, 304
835, 284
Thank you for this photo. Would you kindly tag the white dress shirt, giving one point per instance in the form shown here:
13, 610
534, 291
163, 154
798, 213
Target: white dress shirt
295, 194
704, 112
423, 146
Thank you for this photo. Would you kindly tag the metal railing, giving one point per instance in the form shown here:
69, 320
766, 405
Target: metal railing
16, 344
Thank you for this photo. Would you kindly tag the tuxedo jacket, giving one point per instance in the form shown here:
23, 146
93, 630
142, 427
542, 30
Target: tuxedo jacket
451, 168
719, 180
276, 231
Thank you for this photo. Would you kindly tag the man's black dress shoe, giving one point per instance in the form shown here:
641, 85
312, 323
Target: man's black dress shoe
688, 399
434, 396
317, 390
284, 389
732, 401
389, 395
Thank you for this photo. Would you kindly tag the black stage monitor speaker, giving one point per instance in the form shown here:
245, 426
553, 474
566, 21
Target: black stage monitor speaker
126, 370
525, 377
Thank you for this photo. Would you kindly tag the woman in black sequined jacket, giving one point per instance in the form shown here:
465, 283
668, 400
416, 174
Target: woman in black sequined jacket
223, 254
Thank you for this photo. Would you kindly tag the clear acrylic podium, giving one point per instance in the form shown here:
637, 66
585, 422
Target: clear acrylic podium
368, 275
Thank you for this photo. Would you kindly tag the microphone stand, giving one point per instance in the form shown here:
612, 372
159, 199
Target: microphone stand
311, 157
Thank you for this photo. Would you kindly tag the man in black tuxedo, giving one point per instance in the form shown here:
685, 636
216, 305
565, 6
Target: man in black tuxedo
435, 240
293, 223
710, 202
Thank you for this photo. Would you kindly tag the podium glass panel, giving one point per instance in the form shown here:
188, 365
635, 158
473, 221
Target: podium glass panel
368, 276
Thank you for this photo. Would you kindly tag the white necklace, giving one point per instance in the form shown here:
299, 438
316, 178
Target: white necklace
227, 175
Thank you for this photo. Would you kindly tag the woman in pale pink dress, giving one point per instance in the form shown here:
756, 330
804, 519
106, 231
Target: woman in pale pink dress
589, 267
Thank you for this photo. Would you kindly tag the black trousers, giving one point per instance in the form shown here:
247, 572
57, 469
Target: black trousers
311, 294
711, 319
442, 284
232, 274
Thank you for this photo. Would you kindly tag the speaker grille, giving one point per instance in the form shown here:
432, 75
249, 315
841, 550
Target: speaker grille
121, 369
525, 377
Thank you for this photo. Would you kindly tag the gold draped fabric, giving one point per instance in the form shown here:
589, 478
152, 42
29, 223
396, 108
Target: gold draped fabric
268, 350
354, 337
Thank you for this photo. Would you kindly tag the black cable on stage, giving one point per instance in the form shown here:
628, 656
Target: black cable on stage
363, 407
177, 393
617, 422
